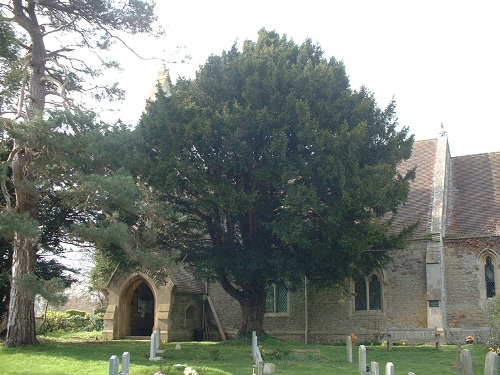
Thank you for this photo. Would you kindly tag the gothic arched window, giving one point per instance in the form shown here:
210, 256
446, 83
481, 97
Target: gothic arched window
489, 277
368, 293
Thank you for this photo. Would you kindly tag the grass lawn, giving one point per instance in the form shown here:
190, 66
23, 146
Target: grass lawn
67, 354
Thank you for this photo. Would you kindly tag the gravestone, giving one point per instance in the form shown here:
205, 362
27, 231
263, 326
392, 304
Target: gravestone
411, 373
459, 357
491, 364
389, 368
348, 344
158, 341
374, 368
466, 363
113, 365
152, 349
125, 363
363, 370
269, 368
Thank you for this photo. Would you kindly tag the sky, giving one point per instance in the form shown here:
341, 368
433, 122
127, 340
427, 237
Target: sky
440, 59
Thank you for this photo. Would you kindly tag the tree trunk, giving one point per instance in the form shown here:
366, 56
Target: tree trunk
252, 299
21, 321
252, 314
21, 328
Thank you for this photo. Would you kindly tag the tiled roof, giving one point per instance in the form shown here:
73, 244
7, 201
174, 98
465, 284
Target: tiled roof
184, 281
419, 203
474, 196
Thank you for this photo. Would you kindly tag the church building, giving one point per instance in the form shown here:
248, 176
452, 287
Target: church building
442, 280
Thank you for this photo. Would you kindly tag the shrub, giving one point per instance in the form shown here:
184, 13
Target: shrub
74, 312
494, 335
71, 320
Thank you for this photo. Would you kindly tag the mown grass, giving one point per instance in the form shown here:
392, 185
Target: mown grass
66, 354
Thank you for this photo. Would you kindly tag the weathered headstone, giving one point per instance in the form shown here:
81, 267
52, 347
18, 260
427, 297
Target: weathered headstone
269, 368
348, 344
459, 357
466, 363
113, 365
152, 349
374, 368
178, 347
125, 363
158, 341
362, 360
389, 368
491, 364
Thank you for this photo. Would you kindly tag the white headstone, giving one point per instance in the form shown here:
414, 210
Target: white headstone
178, 347
466, 363
362, 360
389, 368
374, 368
348, 344
269, 368
158, 341
152, 349
491, 364
125, 363
113, 365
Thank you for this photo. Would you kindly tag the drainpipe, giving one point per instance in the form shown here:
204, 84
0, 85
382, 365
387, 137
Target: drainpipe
306, 313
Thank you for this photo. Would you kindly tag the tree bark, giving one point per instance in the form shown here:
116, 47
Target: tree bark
252, 300
21, 328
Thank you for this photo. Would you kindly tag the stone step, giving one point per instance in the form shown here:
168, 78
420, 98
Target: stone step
137, 337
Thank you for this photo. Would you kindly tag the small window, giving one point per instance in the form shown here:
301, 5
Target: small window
489, 277
277, 300
368, 294
190, 312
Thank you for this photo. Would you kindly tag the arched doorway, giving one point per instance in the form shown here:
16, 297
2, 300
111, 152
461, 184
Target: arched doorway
141, 305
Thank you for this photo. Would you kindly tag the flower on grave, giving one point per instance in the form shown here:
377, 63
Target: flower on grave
470, 340
190, 371
159, 373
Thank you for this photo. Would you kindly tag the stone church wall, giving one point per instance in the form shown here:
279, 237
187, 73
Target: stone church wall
466, 295
331, 315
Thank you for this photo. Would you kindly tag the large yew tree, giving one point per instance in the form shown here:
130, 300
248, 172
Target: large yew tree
281, 168
54, 161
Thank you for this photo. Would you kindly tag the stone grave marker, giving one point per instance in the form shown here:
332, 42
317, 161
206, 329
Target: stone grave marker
348, 344
125, 363
466, 362
459, 357
152, 348
374, 368
363, 370
389, 368
491, 364
113, 365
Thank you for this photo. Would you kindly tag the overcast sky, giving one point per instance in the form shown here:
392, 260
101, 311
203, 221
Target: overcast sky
439, 59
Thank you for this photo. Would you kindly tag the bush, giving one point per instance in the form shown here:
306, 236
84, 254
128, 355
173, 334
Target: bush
74, 312
494, 335
71, 321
